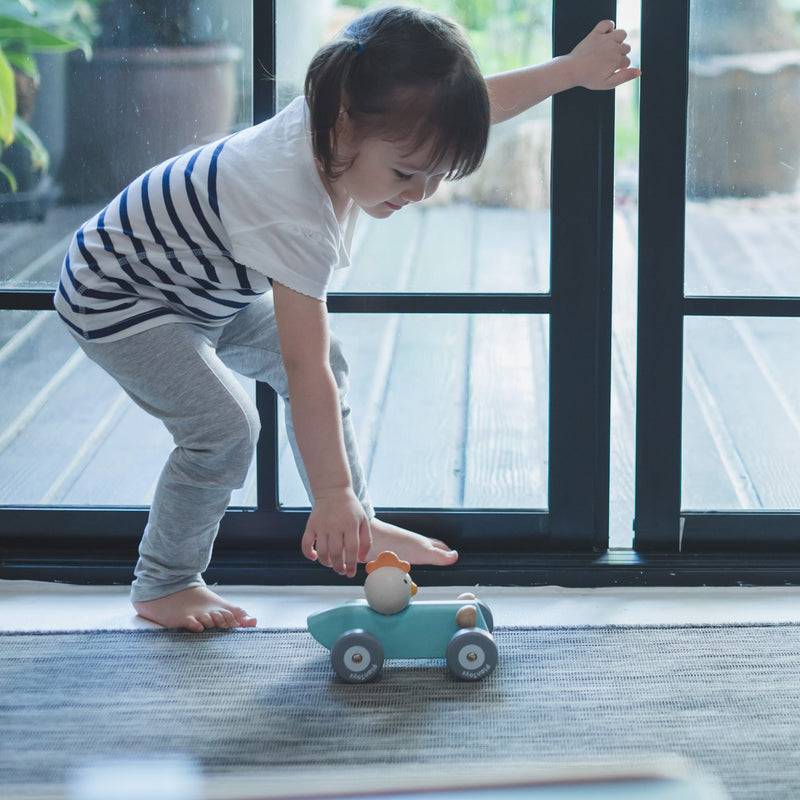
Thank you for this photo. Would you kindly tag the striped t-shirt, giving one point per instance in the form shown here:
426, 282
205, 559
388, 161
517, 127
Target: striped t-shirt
200, 236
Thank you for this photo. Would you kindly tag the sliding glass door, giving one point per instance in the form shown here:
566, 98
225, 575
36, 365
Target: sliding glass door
477, 324
717, 434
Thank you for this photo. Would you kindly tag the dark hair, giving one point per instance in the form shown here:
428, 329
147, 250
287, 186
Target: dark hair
401, 74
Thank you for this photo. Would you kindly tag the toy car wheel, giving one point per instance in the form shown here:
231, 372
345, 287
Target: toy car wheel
357, 656
471, 654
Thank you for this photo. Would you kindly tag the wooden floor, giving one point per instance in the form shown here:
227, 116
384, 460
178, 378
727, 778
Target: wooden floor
451, 411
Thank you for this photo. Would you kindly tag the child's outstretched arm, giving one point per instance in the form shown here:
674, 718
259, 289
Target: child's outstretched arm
338, 532
599, 61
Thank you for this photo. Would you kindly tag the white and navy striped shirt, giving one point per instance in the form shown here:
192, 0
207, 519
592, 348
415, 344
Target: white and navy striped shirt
200, 236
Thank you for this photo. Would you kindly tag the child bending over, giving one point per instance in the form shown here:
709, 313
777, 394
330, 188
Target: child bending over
218, 261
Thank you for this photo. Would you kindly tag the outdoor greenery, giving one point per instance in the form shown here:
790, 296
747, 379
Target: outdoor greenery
28, 27
506, 34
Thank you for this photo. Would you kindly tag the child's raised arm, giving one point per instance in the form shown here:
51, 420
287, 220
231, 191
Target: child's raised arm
599, 61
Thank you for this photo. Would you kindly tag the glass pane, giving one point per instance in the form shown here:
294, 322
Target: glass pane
163, 77
743, 209
624, 289
68, 434
487, 233
450, 411
448, 248
741, 407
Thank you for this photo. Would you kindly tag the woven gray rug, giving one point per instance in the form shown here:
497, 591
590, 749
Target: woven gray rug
726, 697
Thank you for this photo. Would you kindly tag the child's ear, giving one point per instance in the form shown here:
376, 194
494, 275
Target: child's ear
343, 123
340, 125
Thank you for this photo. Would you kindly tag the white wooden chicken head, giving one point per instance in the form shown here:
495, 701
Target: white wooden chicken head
388, 586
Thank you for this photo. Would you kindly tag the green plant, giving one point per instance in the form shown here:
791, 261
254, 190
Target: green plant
28, 27
505, 34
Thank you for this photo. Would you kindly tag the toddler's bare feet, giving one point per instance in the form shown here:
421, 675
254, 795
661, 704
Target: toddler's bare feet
197, 609
409, 546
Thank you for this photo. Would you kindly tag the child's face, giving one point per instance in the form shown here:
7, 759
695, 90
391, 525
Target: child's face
384, 176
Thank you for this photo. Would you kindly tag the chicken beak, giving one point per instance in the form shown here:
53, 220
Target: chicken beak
413, 588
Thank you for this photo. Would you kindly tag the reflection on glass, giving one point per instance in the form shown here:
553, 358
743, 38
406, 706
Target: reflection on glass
450, 411
743, 148
741, 407
162, 77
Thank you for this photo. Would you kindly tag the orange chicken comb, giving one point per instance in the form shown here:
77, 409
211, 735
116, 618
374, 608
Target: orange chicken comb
388, 559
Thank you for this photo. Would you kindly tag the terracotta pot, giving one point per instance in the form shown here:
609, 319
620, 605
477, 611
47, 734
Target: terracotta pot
129, 109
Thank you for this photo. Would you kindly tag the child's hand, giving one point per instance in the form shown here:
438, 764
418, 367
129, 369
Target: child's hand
337, 533
600, 61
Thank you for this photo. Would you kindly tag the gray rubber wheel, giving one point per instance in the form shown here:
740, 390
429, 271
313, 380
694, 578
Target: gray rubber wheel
357, 656
471, 654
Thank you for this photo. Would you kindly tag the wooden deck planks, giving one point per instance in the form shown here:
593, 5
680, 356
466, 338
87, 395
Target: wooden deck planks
742, 394
507, 396
31, 252
450, 410
762, 435
418, 451
507, 425
383, 258
427, 390
623, 380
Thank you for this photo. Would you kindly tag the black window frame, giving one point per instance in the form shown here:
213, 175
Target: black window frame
567, 543
758, 547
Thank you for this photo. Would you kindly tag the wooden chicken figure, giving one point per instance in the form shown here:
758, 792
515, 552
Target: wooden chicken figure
388, 586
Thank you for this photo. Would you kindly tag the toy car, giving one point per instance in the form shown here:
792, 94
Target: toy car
360, 638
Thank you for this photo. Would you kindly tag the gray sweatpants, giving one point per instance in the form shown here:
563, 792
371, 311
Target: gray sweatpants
182, 373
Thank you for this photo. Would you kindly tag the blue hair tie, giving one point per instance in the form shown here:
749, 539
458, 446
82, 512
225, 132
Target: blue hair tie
357, 46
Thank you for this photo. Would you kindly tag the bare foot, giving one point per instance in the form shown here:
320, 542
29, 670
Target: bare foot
409, 546
197, 609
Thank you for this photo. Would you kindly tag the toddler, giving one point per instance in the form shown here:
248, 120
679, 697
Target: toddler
218, 261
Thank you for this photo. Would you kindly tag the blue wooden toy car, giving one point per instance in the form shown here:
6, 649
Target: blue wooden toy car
360, 638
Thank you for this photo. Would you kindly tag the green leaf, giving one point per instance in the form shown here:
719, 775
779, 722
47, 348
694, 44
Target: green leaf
23, 62
9, 176
81, 37
31, 37
23, 133
8, 101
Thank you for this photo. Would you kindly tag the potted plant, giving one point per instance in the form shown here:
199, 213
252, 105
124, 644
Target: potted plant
29, 27
744, 75
162, 78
